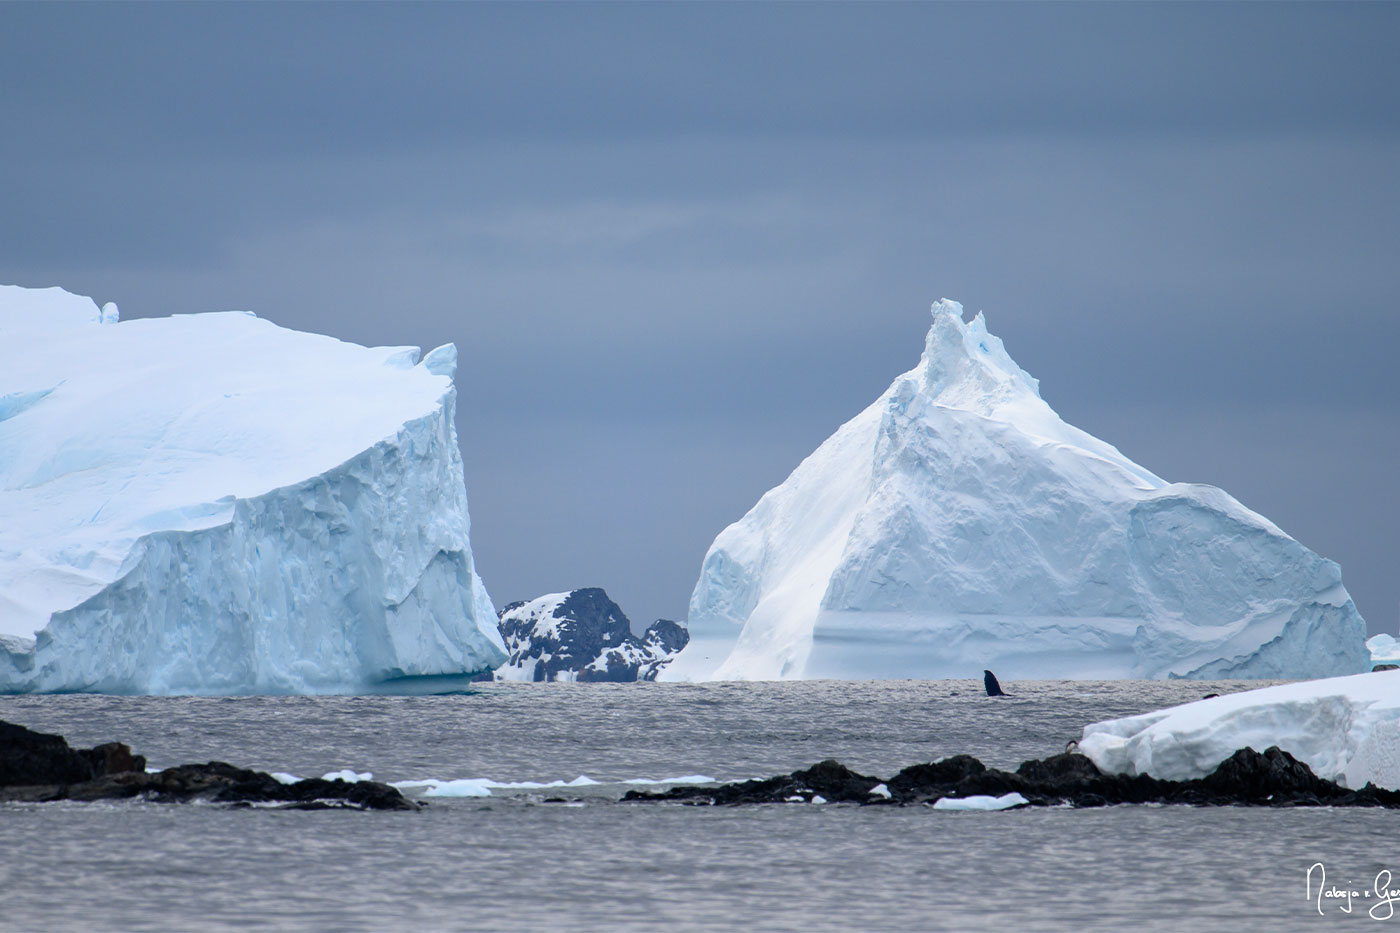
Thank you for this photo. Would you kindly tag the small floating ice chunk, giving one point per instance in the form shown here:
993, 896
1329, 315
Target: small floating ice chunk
463, 787
880, 790
283, 777
981, 802
818, 798
582, 780
482, 787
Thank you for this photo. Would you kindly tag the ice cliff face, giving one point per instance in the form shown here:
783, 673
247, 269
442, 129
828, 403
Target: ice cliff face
209, 503
582, 635
958, 524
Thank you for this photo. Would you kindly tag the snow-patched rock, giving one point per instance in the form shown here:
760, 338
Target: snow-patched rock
958, 524
1347, 729
582, 635
209, 503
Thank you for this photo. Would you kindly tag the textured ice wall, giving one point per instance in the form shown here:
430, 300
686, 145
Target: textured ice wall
356, 578
958, 524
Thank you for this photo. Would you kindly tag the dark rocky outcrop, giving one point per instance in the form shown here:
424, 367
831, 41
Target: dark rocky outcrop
28, 757
1272, 778
830, 780
585, 637
38, 767
665, 637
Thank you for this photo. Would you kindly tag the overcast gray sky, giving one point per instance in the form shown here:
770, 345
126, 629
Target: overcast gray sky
678, 245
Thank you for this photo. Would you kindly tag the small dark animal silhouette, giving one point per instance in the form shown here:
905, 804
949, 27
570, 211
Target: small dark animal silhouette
993, 688
1210, 696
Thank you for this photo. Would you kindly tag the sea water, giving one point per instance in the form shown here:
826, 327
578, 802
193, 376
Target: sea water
570, 856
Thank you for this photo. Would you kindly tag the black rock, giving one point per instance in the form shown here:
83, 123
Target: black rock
29, 758
39, 767
662, 641
1248, 778
829, 780
934, 778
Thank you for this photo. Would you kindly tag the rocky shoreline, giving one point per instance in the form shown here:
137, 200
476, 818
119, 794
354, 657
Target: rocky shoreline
37, 767
1272, 778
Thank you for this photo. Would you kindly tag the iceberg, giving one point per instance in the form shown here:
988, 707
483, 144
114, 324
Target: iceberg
210, 503
582, 635
958, 524
1383, 649
1347, 729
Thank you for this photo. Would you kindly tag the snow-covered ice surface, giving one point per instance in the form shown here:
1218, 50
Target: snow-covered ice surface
209, 503
958, 524
1347, 729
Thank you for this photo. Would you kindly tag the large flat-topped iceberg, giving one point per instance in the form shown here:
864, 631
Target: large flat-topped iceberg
1347, 729
958, 524
209, 503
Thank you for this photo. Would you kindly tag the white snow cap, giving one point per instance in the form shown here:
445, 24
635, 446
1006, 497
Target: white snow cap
209, 503
1347, 729
958, 524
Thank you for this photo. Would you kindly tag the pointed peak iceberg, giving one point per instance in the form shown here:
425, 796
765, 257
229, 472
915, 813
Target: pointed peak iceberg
957, 523
965, 366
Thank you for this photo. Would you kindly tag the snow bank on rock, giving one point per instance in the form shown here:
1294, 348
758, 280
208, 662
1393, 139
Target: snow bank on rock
958, 524
1347, 729
209, 503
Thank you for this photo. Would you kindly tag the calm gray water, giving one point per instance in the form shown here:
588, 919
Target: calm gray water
513, 861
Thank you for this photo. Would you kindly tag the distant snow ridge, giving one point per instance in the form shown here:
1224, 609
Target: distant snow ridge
958, 524
582, 635
209, 503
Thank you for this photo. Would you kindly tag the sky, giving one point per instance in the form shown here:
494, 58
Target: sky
678, 245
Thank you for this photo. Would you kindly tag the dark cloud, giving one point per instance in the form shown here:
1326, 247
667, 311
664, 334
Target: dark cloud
677, 245
223, 78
